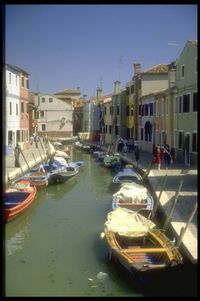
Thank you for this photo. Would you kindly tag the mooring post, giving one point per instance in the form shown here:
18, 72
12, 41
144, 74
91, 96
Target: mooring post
183, 229
147, 171
34, 157
168, 219
40, 154
24, 159
42, 146
161, 190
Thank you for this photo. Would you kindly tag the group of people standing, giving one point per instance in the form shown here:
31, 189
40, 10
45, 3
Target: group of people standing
164, 153
128, 146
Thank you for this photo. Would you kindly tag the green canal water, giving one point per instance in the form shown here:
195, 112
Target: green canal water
55, 249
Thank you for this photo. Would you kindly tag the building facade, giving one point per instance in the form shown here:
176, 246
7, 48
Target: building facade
186, 105
11, 107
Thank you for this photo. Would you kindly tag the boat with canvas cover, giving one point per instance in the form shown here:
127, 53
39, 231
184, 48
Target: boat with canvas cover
137, 244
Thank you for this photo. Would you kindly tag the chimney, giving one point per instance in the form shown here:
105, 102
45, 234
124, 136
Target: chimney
171, 75
117, 87
137, 68
85, 97
99, 96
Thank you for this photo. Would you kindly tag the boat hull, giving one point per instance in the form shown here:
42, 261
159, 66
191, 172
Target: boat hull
17, 201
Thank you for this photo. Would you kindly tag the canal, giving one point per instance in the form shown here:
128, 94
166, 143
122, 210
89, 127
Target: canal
55, 249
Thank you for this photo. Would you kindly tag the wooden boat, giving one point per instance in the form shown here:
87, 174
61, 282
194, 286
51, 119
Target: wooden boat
18, 198
137, 244
63, 174
134, 197
38, 179
127, 175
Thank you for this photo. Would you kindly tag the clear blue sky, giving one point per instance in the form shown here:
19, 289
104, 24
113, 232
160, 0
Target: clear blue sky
70, 46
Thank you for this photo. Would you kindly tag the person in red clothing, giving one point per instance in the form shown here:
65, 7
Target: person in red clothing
157, 159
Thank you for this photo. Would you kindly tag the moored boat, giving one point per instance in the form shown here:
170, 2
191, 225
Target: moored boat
111, 160
137, 244
18, 198
134, 197
63, 173
127, 175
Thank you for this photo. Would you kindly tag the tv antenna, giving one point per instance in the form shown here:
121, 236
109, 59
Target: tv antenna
119, 66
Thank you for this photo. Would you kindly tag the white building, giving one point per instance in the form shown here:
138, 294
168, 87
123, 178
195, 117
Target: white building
55, 116
12, 107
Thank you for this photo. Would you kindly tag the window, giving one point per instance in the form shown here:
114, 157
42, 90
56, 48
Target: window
105, 111
117, 110
10, 108
132, 110
22, 81
195, 102
111, 110
182, 71
43, 127
176, 105
127, 110
186, 103
180, 104
180, 140
194, 142
22, 107
116, 130
132, 89
17, 112
41, 114
27, 84
43, 99
9, 78
127, 91
110, 129
146, 106
151, 109
106, 129
50, 99
141, 133
140, 110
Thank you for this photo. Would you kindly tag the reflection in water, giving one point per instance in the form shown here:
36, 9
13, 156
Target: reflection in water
17, 230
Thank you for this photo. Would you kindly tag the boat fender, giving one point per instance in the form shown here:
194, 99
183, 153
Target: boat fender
102, 235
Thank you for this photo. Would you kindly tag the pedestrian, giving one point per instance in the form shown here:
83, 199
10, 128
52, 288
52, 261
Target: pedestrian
36, 141
45, 140
101, 139
172, 153
41, 169
137, 153
157, 158
17, 152
31, 140
167, 156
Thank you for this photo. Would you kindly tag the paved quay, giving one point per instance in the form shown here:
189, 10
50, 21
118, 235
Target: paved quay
28, 158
